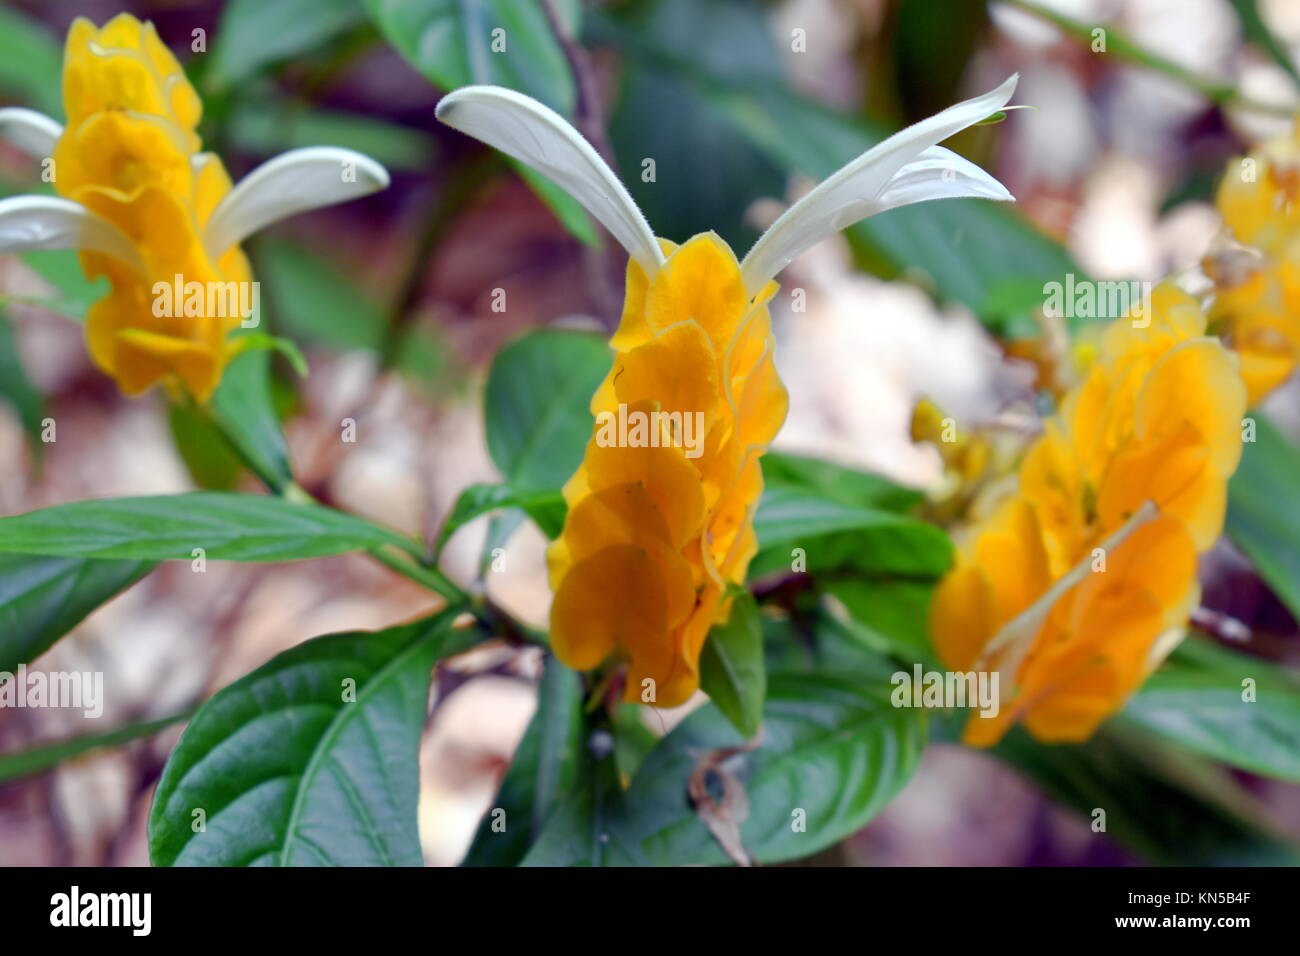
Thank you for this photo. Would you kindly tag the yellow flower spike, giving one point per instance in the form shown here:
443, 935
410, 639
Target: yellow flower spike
660, 519
1257, 295
1083, 580
151, 213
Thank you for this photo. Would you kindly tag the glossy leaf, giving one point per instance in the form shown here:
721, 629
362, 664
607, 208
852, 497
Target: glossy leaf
228, 526
1264, 510
835, 535
731, 665
546, 509
1170, 808
450, 42
1200, 701
833, 749
42, 598
253, 34
311, 760
543, 772
537, 406
244, 410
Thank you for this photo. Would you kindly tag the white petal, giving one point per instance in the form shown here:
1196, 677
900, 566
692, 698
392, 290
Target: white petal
940, 173
856, 190
32, 132
292, 182
28, 223
532, 133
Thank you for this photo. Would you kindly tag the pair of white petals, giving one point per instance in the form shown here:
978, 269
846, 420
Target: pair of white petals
908, 167
293, 182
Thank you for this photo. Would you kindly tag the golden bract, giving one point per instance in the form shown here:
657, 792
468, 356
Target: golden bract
130, 154
1257, 296
1157, 419
654, 537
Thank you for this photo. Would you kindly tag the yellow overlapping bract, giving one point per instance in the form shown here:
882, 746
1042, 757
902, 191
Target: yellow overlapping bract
1156, 419
1257, 292
653, 536
130, 153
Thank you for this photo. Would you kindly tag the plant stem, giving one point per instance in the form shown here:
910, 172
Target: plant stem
431, 578
1217, 91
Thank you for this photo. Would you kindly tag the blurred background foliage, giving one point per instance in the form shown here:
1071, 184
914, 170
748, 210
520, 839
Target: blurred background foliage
392, 300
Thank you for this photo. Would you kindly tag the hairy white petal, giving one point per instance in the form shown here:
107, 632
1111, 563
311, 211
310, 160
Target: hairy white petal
532, 133
29, 223
32, 132
292, 182
856, 190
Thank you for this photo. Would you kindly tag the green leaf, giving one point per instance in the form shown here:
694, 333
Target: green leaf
243, 409
41, 599
832, 747
315, 301
31, 62
1264, 510
835, 535
731, 665
62, 269
450, 43
1171, 808
310, 760
272, 126
15, 386
546, 509
537, 406
208, 456
838, 483
887, 614
253, 34
1195, 701
38, 759
264, 342
228, 526
544, 771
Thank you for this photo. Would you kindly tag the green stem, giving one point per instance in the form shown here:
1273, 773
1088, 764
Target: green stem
28, 762
1217, 91
429, 577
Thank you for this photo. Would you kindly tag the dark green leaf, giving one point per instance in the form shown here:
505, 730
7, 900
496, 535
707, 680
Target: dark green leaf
208, 456
243, 409
1196, 701
838, 483
227, 526
834, 535
315, 301
537, 406
546, 509
253, 34
41, 599
450, 43
833, 753
543, 772
1264, 510
15, 386
1171, 808
887, 615
731, 665
311, 760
